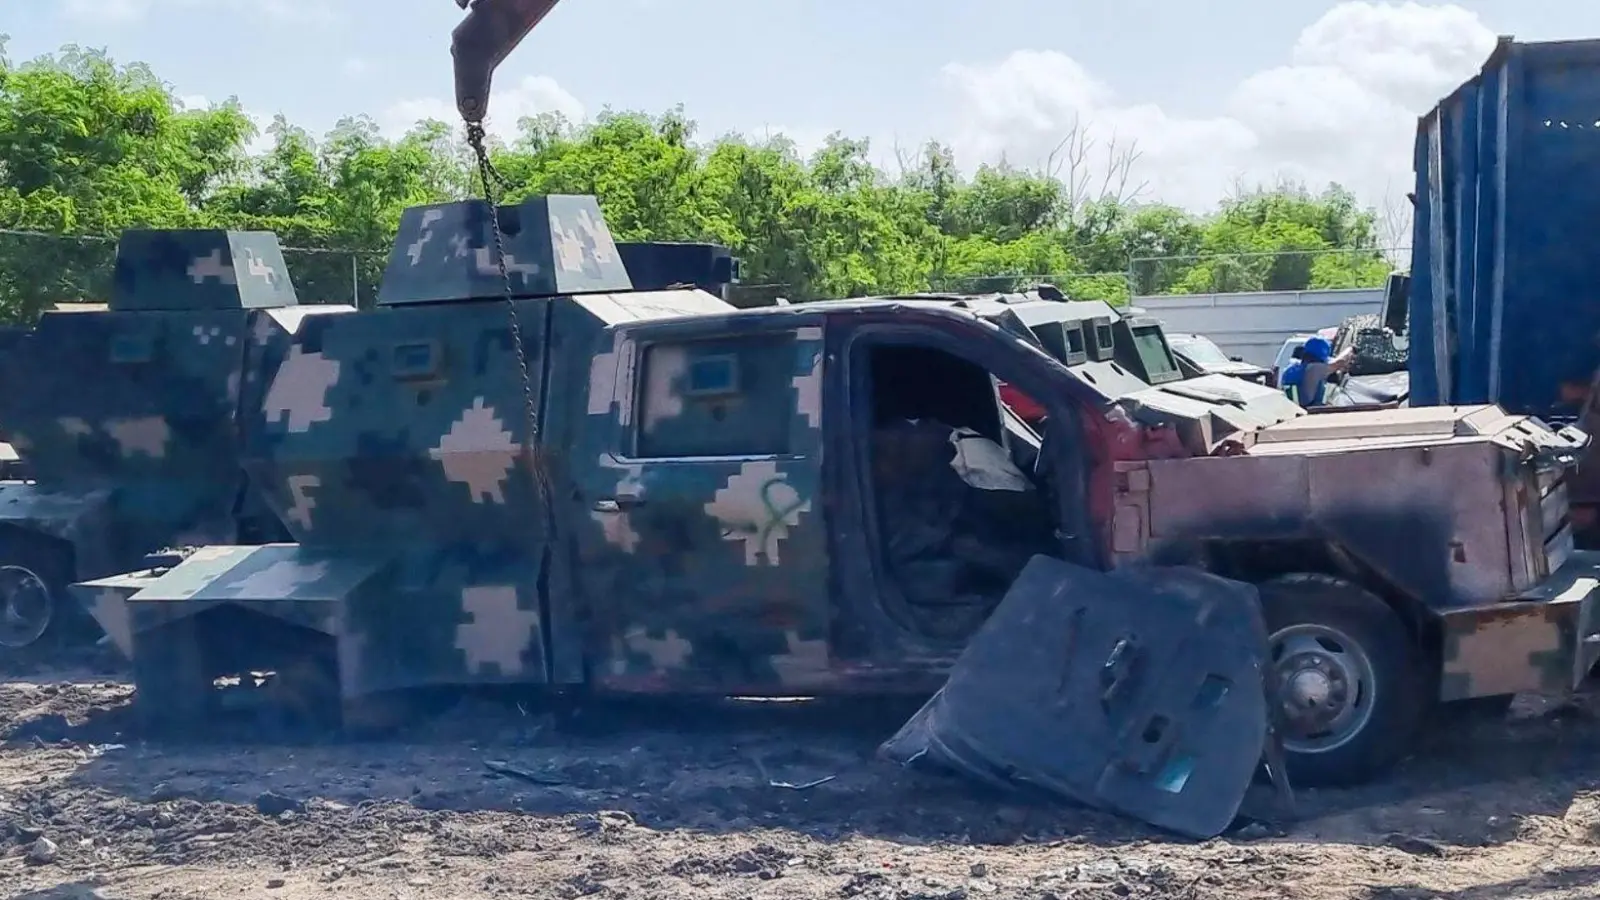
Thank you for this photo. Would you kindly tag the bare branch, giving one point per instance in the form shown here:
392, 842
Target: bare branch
1052, 169
1088, 177
901, 157
1394, 224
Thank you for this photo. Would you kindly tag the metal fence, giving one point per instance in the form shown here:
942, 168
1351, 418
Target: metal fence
1284, 270
1160, 276
1112, 287
39, 270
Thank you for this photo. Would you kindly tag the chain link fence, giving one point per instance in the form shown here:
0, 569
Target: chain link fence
1155, 276
1112, 287
38, 271
1287, 270
335, 276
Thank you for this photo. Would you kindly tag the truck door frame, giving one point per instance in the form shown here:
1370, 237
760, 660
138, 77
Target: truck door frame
684, 583
870, 638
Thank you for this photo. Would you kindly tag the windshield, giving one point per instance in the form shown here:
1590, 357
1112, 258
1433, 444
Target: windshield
1152, 349
1200, 351
1286, 352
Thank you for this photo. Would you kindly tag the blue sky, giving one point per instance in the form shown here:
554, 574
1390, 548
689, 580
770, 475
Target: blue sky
1208, 93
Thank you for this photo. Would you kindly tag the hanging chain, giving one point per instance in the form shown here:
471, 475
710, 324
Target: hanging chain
493, 180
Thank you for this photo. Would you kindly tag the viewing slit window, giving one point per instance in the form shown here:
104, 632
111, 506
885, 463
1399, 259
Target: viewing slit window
1153, 353
713, 376
719, 397
1075, 340
1103, 335
417, 359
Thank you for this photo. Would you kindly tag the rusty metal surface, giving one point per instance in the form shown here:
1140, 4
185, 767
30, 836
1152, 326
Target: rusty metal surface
1385, 426
1430, 520
1546, 641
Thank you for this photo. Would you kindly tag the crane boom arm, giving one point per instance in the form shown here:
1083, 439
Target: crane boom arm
491, 30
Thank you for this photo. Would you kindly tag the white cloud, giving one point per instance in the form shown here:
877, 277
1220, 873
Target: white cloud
1343, 109
509, 103
400, 117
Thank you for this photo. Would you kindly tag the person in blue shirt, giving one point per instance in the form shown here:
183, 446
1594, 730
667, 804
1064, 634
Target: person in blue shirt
1306, 380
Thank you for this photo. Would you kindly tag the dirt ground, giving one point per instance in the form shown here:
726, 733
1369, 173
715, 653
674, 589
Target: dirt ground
490, 800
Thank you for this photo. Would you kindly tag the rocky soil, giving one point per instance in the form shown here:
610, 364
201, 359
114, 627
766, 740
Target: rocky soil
490, 799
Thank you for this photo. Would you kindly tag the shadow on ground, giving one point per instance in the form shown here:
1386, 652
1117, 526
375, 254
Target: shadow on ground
77, 890
1559, 879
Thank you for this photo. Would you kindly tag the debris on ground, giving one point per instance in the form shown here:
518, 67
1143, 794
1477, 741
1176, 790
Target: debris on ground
664, 804
43, 852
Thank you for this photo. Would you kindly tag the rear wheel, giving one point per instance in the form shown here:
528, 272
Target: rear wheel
33, 580
1347, 686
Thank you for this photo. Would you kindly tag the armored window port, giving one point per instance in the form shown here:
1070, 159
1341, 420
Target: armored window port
1076, 354
1103, 337
1053, 337
712, 376
1099, 339
415, 360
715, 382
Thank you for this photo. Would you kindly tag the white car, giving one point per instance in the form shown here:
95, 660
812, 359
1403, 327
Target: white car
1286, 352
1205, 355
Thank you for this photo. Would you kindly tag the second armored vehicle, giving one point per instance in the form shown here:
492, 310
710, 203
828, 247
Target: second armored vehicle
126, 420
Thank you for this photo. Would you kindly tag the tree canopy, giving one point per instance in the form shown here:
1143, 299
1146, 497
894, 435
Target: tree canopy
89, 147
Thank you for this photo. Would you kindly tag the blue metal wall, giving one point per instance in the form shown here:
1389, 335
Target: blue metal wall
1505, 297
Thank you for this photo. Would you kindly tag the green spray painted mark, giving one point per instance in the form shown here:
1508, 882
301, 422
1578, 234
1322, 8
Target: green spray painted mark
775, 513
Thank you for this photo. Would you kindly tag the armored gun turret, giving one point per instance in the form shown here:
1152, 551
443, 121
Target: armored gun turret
129, 422
656, 265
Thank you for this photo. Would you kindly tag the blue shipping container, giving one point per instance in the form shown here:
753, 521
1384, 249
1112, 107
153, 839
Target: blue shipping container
1505, 257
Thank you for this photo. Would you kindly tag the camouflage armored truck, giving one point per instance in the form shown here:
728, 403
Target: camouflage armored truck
820, 499
128, 421
82, 516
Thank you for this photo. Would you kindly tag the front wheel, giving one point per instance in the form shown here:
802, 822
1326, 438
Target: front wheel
1345, 680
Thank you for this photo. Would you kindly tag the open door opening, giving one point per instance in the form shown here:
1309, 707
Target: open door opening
957, 515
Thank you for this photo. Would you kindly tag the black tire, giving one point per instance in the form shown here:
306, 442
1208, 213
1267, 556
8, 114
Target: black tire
34, 608
173, 692
1326, 633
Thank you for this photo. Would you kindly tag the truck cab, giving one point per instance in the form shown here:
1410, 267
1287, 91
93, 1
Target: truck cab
936, 497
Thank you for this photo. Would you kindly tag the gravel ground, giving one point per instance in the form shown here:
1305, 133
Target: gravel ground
489, 800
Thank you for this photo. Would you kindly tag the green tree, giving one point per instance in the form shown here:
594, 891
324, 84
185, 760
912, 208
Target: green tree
1285, 238
89, 147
